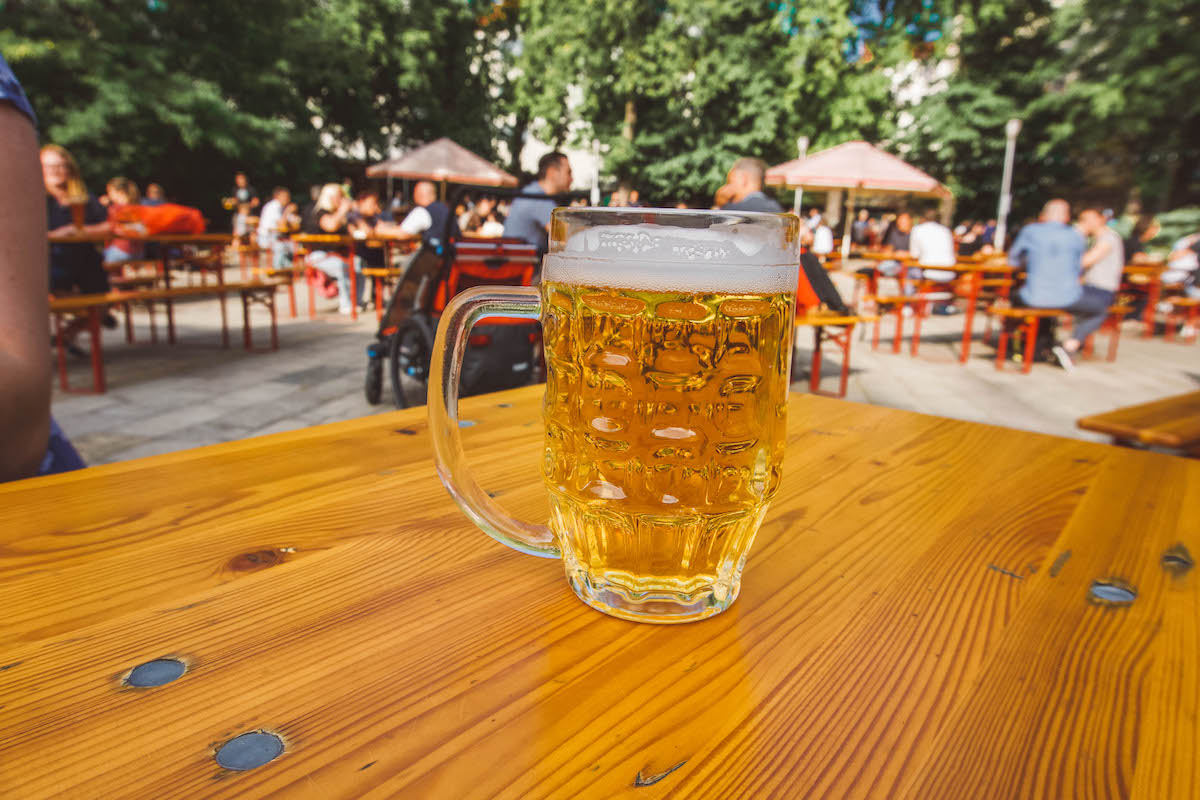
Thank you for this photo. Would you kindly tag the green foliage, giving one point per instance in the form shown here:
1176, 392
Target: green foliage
676, 90
184, 92
1175, 225
1104, 90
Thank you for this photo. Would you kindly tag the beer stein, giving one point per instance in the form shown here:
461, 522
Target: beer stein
667, 338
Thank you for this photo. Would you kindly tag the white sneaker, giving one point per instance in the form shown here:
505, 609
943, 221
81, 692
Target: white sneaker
1064, 358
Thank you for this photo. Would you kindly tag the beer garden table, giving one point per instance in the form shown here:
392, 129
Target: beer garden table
933, 609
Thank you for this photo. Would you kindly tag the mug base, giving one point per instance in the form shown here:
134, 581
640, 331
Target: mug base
652, 607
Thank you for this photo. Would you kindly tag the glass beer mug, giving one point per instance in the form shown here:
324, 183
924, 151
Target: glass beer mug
667, 339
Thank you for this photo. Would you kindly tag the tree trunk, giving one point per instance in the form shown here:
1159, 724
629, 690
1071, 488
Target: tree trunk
630, 121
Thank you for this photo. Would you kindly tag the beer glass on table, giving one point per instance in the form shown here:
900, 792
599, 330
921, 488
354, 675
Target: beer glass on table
667, 339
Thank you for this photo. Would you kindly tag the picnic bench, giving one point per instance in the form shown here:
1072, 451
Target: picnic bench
94, 306
829, 327
1172, 422
309, 614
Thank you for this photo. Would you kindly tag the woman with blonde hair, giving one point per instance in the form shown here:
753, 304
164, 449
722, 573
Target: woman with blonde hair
328, 216
71, 209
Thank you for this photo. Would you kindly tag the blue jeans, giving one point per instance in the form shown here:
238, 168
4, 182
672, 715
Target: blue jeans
1089, 311
334, 266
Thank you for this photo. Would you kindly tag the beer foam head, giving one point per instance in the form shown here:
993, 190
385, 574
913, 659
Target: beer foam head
733, 254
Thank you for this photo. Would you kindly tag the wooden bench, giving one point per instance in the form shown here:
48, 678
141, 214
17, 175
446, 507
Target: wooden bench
379, 275
1185, 311
844, 324
94, 306
897, 304
1173, 422
1029, 319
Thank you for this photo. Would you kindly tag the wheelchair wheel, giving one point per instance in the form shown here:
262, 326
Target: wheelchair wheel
374, 382
409, 357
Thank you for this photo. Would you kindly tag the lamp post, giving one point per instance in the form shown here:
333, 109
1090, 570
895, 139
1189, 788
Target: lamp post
1011, 129
802, 149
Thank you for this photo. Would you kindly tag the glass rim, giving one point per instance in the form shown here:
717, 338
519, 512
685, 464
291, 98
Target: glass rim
638, 214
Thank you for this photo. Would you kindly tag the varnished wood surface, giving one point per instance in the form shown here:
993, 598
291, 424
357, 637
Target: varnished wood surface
914, 623
1170, 422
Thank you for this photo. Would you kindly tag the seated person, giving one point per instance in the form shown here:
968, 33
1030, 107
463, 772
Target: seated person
362, 222
1103, 265
278, 218
74, 267
122, 193
328, 215
1051, 251
430, 220
482, 221
822, 237
932, 245
1183, 265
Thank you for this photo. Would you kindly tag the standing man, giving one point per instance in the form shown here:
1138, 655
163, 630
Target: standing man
1103, 265
1052, 253
529, 217
242, 200
745, 182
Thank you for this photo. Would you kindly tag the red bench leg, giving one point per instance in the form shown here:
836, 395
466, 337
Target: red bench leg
246, 339
291, 290
353, 286
1114, 336
128, 323
1002, 345
916, 337
97, 353
875, 332
274, 329
846, 338
1031, 329
62, 353
814, 375
1194, 322
899, 327
378, 299
1152, 294
224, 323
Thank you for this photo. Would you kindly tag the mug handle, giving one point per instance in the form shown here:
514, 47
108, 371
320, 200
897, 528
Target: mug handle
461, 314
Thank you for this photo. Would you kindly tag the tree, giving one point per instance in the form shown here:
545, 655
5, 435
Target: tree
676, 91
184, 92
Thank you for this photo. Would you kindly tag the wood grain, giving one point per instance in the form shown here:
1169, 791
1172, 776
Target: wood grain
908, 625
1170, 422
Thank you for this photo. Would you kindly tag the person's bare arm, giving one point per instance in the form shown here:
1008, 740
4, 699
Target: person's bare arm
24, 360
1099, 250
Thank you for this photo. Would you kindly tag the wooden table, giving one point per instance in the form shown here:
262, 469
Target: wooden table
914, 623
1171, 422
1146, 276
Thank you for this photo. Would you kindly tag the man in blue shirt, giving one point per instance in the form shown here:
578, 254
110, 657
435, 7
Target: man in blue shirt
529, 217
1051, 251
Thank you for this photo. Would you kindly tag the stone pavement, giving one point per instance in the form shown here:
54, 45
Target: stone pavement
163, 398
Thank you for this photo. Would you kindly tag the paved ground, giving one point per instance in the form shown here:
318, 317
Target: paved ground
164, 398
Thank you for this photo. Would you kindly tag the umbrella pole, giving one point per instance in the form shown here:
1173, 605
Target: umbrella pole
846, 226
799, 197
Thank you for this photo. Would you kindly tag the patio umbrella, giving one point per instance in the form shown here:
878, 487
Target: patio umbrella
858, 167
444, 161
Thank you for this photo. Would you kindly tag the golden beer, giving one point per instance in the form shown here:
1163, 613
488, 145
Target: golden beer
665, 416
667, 336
